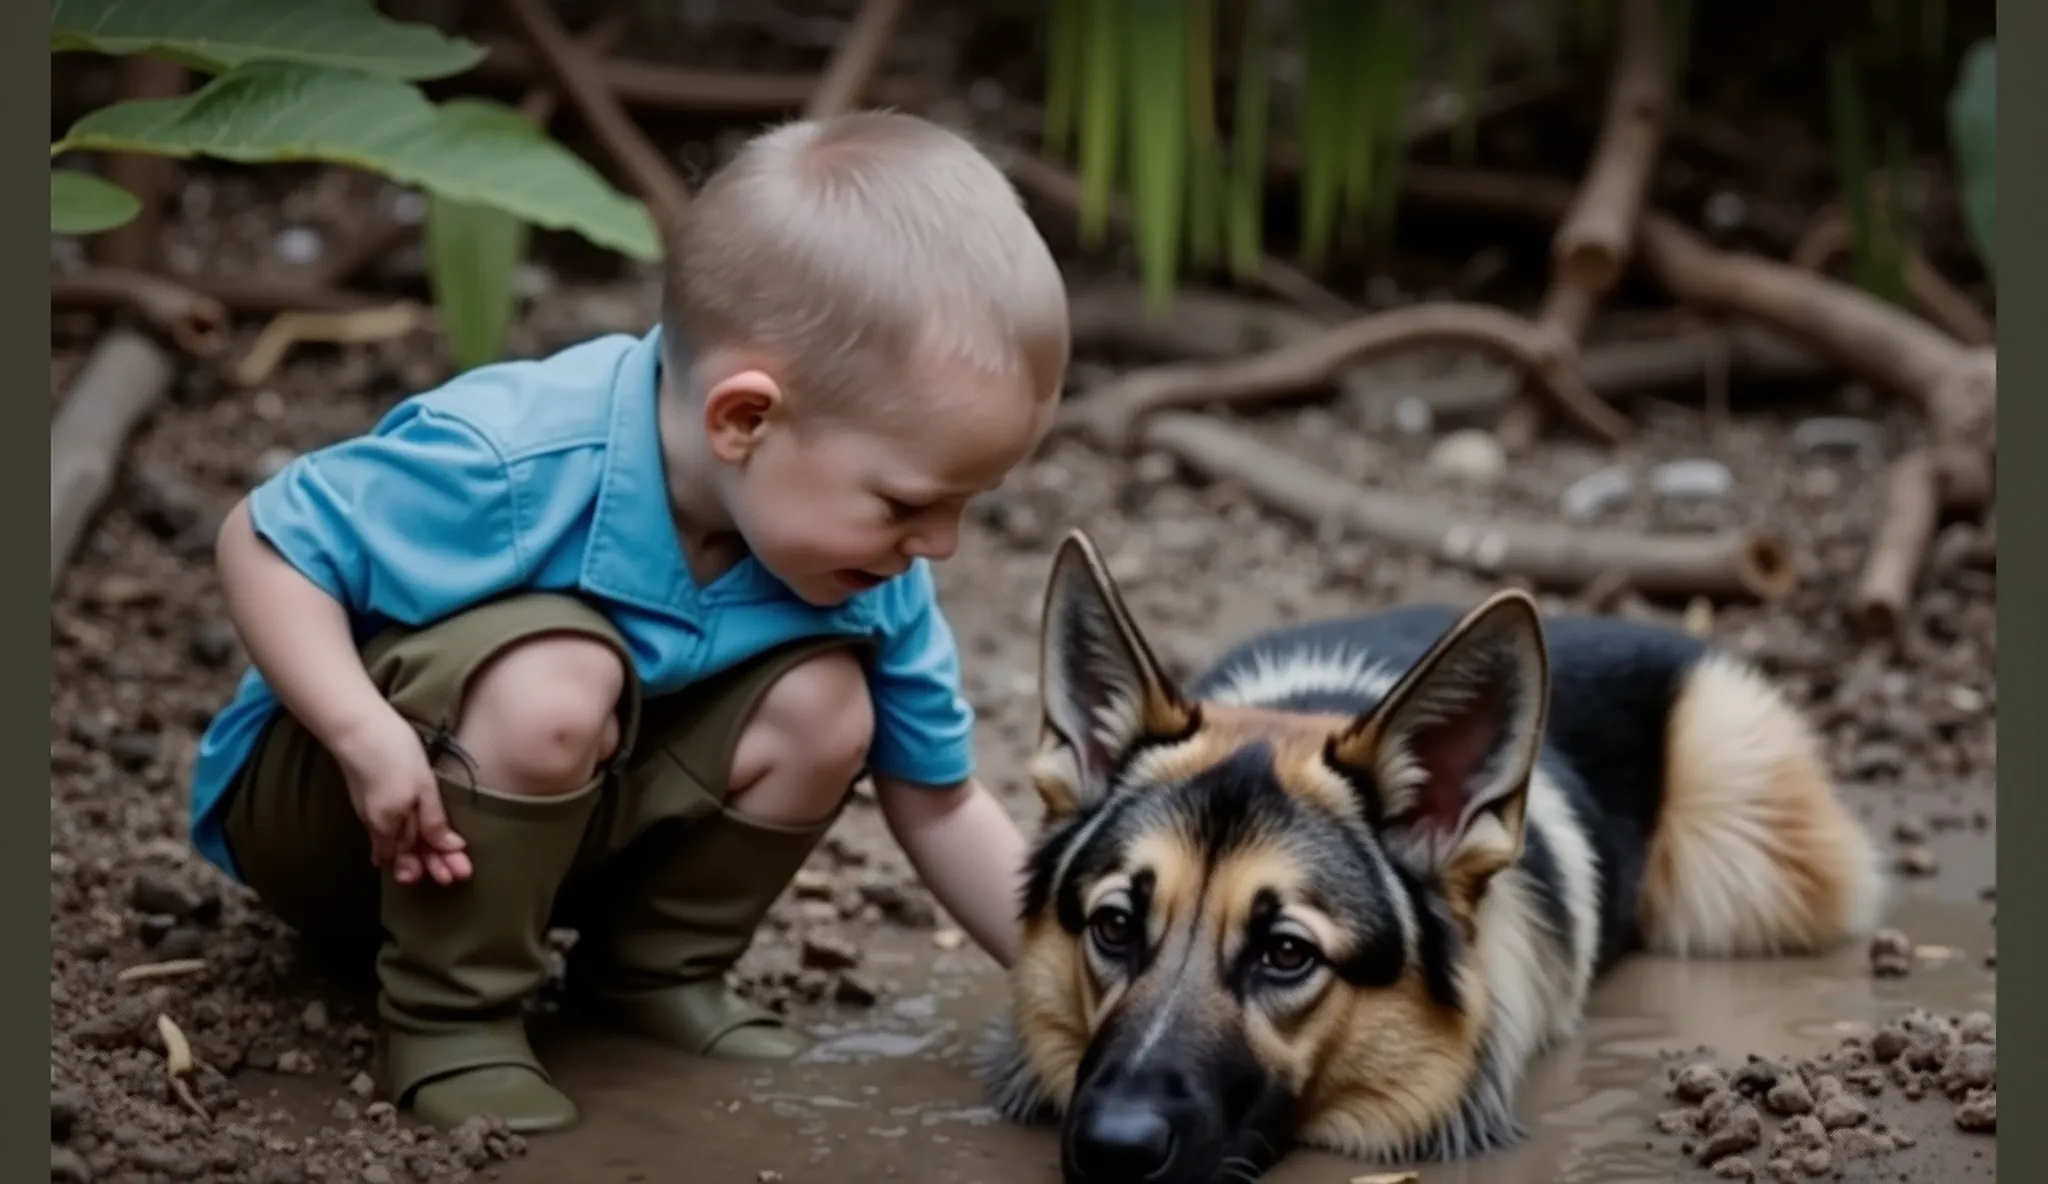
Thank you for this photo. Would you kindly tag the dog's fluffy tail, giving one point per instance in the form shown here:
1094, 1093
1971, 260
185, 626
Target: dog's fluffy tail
1754, 852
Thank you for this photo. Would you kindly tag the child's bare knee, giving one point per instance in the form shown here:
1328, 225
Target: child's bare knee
812, 727
541, 715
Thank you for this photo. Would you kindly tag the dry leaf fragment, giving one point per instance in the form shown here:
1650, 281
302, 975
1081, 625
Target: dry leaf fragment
177, 1049
152, 970
1388, 1178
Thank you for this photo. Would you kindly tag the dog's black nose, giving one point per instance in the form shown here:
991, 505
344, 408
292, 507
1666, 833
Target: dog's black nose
1122, 1141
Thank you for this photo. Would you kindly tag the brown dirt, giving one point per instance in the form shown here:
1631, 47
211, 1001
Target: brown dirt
142, 655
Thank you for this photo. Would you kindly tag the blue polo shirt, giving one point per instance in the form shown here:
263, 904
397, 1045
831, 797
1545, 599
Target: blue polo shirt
546, 475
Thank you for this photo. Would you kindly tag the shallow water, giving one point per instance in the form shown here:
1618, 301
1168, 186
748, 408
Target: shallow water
892, 1095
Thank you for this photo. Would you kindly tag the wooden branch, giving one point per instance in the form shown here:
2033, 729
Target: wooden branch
544, 96
1593, 243
1746, 563
359, 326
1884, 595
1830, 237
658, 87
268, 296
576, 72
121, 384
132, 246
197, 323
1620, 369
855, 62
1592, 246
1109, 416
1200, 324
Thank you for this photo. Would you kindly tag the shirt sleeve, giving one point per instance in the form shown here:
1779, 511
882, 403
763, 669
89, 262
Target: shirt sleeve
924, 726
408, 523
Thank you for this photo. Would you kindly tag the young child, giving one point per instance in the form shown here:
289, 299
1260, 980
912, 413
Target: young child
605, 639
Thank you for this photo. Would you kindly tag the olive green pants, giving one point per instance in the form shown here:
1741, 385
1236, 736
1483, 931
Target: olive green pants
665, 885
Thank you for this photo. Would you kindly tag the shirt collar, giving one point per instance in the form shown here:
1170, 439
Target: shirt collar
634, 554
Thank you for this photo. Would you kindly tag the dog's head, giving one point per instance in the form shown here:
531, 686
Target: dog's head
1243, 928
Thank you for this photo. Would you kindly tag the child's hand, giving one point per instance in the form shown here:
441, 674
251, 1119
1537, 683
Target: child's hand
394, 792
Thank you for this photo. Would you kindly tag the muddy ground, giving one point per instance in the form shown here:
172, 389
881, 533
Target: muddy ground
142, 655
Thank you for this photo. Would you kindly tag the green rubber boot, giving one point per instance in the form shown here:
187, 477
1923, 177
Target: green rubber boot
460, 961
673, 925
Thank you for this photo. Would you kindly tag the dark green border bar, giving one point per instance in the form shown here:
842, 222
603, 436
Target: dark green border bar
25, 320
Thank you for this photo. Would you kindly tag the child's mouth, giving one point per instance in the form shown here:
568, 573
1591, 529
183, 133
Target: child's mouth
860, 581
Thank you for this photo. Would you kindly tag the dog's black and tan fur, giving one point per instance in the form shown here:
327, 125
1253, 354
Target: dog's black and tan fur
1339, 890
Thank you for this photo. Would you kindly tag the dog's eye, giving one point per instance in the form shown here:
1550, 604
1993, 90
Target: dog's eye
1287, 957
1111, 928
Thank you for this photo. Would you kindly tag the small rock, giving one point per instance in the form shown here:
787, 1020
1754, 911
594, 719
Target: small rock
1755, 1077
213, 644
1843, 1111
134, 751
314, 1019
1677, 1122
1910, 829
1740, 1129
376, 1173
824, 952
1800, 1133
155, 892
1857, 1143
1696, 1081
1979, 1115
1596, 493
811, 884
1789, 1096
1471, 456
768, 1176
854, 991
362, 1085
1695, 479
1837, 434
292, 1060
1918, 860
1889, 1043
1413, 417
1817, 1162
1971, 1066
1977, 1028
1735, 1167
182, 942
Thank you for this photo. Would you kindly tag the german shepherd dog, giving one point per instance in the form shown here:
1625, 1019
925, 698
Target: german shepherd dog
1342, 888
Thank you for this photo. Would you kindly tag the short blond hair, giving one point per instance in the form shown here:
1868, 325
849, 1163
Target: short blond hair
850, 248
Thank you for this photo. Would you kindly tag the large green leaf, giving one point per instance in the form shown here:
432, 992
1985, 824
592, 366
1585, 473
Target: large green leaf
81, 203
473, 256
217, 35
1973, 132
484, 153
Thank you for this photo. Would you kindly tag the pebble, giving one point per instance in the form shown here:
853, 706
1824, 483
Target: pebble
1970, 1067
1979, 1115
1842, 1111
1789, 1096
362, 1085
1740, 1129
1918, 860
1891, 955
1839, 434
1413, 417
1471, 456
1693, 479
1596, 493
1696, 1082
825, 952
314, 1019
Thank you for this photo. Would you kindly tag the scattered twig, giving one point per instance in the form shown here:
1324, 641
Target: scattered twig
575, 70
120, 385
688, 90
178, 1066
859, 55
196, 322
1055, 184
1830, 236
359, 326
151, 971
1748, 563
132, 246
1109, 415
1594, 241
1897, 554
544, 97
1619, 370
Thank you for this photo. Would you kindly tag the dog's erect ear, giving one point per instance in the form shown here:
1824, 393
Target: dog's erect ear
1100, 691
1448, 753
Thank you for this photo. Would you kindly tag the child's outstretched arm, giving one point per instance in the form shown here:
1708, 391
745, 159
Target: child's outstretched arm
967, 850
299, 637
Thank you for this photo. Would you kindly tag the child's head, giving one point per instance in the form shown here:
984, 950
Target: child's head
866, 329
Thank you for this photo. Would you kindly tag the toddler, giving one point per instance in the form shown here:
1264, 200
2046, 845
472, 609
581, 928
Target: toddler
603, 640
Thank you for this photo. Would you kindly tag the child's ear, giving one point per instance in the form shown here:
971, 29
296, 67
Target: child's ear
737, 410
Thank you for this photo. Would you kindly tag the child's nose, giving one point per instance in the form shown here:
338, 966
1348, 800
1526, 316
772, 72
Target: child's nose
937, 540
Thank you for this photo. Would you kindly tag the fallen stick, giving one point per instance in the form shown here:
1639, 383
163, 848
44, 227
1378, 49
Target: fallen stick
360, 326
1830, 237
198, 323
1109, 415
1884, 594
122, 382
543, 97
1616, 371
854, 63
576, 72
690, 90
1593, 243
1747, 563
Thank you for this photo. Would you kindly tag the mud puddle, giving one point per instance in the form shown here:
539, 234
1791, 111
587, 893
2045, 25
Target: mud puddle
890, 1095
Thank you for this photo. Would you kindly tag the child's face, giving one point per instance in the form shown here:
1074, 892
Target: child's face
837, 507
